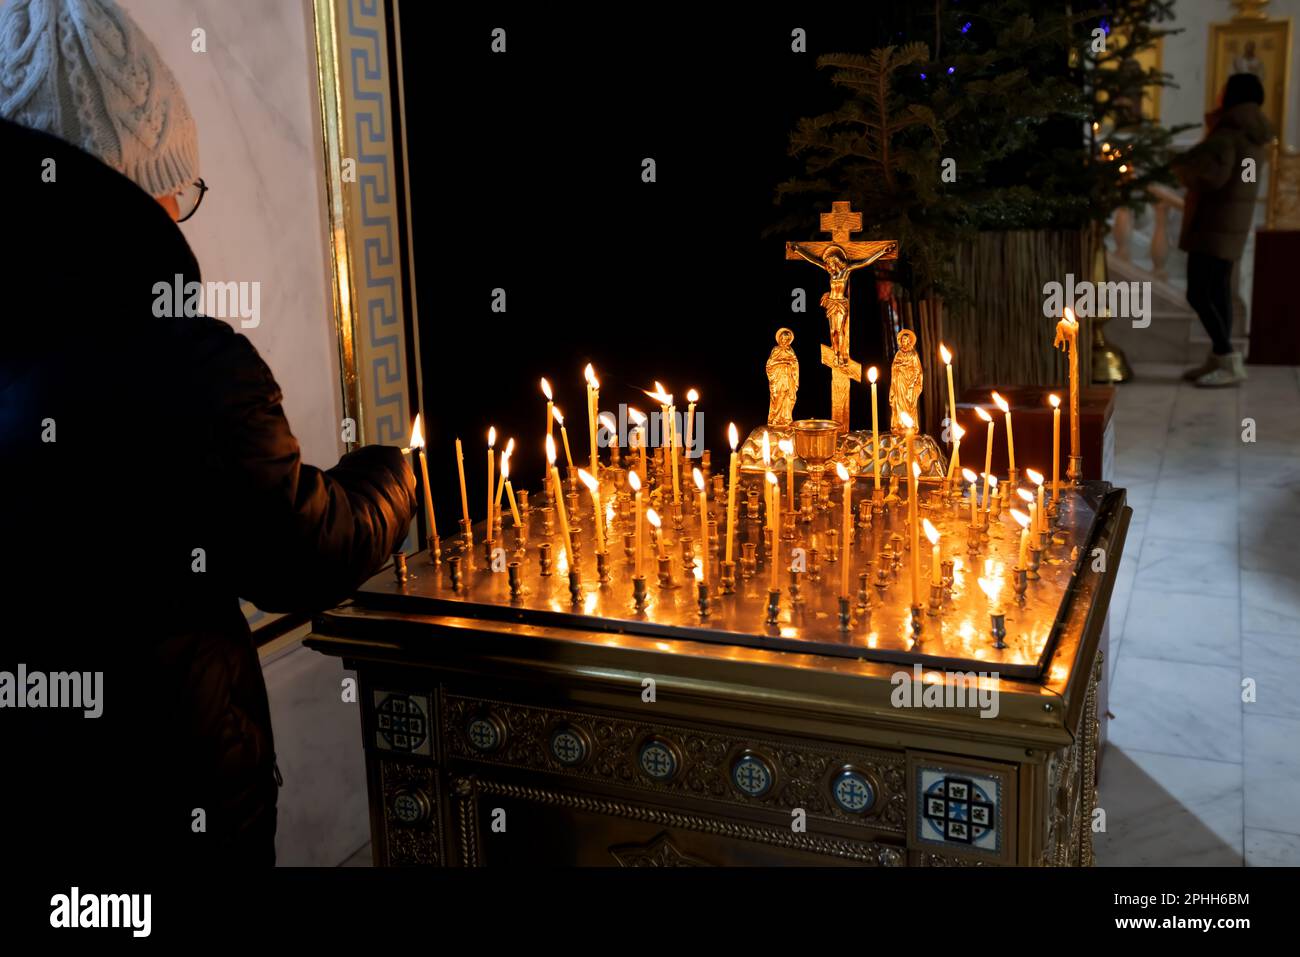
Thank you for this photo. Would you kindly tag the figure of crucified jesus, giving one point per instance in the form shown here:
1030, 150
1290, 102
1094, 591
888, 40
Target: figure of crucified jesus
836, 302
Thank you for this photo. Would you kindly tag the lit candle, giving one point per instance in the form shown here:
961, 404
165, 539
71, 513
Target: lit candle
1037, 479
787, 449
510, 492
669, 415
464, 498
954, 465
635, 481
593, 487
914, 526
1028, 498
734, 438
1067, 334
846, 533
593, 408
1002, 404
703, 550
765, 448
505, 457
1055, 400
611, 426
988, 451
932, 534
550, 406
872, 375
913, 488
993, 487
1023, 520
564, 436
774, 508
417, 443
946, 356
653, 518
640, 419
691, 397
491, 487
559, 497
971, 478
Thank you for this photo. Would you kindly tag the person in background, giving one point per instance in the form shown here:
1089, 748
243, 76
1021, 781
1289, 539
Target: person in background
150, 479
1217, 218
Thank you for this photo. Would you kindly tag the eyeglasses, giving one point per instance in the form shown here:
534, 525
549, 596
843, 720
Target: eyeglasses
189, 199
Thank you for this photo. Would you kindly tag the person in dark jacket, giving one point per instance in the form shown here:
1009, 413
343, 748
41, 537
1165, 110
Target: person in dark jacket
1217, 218
148, 481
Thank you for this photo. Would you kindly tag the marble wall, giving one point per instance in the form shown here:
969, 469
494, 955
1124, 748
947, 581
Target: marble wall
253, 96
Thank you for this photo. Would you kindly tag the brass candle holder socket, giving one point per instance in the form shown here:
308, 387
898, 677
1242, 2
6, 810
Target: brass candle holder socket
666, 572
454, 572
435, 550
936, 598
516, 586
773, 606
602, 567
998, 628
845, 616
748, 560
399, 568
864, 595
639, 591
1035, 560
916, 622
544, 559
946, 572
575, 586
702, 598
1020, 582
728, 578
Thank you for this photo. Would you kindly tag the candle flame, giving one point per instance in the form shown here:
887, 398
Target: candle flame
872, 374
931, 532
1021, 518
699, 479
550, 449
1025, 494
945, 355
659, 395
652, 517
1035, 477
697, 569
841, 471
771, 477
546, 389
510, 448
692, 396
417, 434
958, 432
1001, 403
634, 480
993, 482
1069, 316
588, 480
1123, 167
767, 449
786, 446
609, 513
1055, 400
590, 375
492, 436
916, 470
608, 421
636, 416
733, 436
982, 414
558, 417
505, 468
906, 420
969, 476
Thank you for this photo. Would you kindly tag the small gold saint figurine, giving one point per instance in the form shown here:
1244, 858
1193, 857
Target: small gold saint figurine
782, 380
905, 380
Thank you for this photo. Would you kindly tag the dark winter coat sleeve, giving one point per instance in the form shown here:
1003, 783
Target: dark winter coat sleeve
291, 537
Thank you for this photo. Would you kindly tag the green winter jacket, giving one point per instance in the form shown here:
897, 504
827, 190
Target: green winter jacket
1220, 205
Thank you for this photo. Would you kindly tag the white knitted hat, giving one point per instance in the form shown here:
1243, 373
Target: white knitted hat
82, 71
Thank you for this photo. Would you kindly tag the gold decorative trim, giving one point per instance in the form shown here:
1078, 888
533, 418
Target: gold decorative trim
417, 844
803, 773
866, 852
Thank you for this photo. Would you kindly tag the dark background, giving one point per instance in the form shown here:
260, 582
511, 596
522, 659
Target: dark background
525, 173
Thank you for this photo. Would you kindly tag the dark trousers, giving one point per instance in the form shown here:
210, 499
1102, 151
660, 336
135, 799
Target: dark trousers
1209, 292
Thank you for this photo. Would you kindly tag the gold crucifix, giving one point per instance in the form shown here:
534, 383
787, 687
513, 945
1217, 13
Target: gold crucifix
839, 257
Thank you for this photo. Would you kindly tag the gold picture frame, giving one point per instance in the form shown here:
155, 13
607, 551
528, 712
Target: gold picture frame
1249, 45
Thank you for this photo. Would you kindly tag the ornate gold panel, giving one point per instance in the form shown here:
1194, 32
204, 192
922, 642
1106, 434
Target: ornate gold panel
412, 812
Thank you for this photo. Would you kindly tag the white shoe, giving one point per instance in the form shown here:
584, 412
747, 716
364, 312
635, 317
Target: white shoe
1229, 371
1209, 365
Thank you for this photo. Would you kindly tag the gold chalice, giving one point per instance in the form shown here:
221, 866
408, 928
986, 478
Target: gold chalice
816, 441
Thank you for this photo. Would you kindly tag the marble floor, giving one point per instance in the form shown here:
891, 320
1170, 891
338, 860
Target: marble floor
1203, 763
